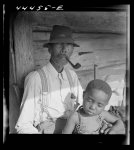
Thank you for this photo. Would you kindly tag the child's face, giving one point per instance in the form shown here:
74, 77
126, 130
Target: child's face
94, 101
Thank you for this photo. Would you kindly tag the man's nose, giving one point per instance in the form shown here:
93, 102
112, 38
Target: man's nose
64, 50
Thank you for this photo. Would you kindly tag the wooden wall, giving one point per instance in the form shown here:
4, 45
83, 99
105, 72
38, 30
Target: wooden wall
22, 51
103, 34
23, 46
108, 51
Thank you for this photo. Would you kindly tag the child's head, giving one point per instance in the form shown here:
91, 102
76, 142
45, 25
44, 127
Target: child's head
96, 96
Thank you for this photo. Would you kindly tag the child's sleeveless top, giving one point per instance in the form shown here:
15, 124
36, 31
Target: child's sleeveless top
88, 125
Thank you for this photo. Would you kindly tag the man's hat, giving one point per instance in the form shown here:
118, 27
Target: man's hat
61, 34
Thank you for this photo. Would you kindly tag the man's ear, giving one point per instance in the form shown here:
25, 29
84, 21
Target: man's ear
49, 51
50, 47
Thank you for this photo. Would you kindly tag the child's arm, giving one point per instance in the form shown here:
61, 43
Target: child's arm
70, 125
118, 126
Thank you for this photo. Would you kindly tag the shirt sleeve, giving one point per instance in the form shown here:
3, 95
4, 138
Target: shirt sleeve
27, 108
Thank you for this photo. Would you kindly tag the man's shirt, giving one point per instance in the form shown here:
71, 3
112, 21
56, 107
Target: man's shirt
57, 100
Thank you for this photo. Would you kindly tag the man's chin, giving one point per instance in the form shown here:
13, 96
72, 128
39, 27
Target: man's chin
64, 61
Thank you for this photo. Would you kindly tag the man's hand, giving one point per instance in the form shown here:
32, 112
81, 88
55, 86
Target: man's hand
113, 131
105, 127
108, 128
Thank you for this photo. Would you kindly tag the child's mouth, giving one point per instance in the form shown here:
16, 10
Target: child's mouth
91, 113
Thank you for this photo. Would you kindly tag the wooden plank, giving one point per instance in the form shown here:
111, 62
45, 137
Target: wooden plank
83, 21
23, 47
44, 35
105, 52
14, 99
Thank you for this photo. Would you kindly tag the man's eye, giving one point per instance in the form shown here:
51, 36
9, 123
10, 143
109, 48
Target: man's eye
89, 100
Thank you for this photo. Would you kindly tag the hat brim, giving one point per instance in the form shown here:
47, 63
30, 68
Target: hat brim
47, 44
61, 41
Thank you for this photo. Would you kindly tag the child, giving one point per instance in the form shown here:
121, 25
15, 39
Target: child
89, 117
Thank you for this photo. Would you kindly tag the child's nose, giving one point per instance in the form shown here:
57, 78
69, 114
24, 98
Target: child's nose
93, 106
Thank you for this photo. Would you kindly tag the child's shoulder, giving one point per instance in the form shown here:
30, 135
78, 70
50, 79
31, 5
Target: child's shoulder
74, 117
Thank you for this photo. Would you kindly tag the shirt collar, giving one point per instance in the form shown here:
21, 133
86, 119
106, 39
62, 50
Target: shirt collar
54, 72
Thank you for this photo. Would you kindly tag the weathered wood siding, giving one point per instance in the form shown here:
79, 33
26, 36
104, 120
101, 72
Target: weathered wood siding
24, 63
23, 47
109, 53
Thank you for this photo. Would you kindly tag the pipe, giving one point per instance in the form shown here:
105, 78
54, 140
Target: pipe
76, 66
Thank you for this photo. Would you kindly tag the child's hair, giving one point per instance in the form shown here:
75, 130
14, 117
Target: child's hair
100, 85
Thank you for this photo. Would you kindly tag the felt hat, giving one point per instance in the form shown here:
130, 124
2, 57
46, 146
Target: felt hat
61, 34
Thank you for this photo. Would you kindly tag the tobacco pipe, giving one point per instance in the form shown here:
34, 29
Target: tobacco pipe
76, 66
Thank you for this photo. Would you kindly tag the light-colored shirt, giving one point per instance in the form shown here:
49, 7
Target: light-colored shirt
58, 99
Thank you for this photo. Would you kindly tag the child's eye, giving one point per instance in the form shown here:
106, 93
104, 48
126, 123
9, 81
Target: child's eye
100, 105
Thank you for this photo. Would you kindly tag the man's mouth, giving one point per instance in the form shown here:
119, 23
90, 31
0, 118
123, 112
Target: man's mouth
63, 56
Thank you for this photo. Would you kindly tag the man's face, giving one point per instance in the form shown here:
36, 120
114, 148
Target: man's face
94, 102
61, 50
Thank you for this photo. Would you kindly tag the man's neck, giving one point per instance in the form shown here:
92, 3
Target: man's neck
57, 66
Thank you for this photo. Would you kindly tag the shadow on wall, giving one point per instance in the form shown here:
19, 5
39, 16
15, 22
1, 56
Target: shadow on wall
14, 110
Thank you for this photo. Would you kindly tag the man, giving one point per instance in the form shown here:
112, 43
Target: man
46, 112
